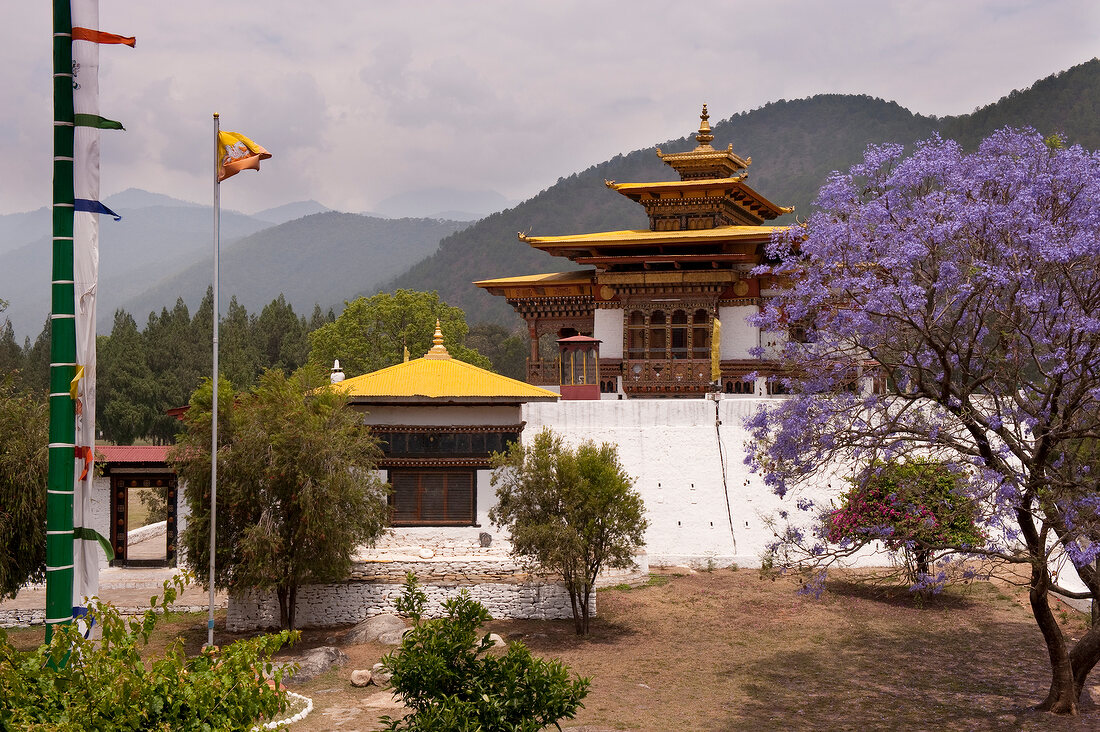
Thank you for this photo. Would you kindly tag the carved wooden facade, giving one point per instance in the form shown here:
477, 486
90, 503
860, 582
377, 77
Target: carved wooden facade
665, 285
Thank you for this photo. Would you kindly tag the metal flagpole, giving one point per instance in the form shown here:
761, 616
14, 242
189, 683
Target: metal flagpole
214, 408
62, 439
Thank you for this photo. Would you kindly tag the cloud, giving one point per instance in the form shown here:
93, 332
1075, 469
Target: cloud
359, 101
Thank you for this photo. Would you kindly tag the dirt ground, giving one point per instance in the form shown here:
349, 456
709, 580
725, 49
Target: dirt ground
732, 650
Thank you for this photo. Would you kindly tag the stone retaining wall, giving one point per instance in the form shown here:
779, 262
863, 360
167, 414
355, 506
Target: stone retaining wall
28, 617
497, 581
350, 602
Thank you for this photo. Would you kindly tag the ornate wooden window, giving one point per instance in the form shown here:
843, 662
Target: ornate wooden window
635, 335
432, 497
700, 334
658, 336
679, 334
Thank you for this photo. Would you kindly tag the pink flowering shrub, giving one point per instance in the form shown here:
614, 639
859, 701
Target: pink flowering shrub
913, 507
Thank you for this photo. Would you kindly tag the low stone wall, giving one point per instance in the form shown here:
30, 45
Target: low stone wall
33, 616
350, 602
149, 531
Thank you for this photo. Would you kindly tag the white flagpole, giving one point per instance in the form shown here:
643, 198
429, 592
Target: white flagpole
214, 409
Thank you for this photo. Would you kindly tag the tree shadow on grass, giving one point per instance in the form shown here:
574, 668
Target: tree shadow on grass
543, 636
908, 678
896, 595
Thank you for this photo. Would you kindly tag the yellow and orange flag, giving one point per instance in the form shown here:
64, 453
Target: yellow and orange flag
236, 153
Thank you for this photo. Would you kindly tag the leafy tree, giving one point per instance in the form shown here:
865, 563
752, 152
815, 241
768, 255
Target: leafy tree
297, 489
572, 512
969, 282
74, 683
11, 354
36, 361
126, 390
913, 506
282, 336
239, 356
506, 350
23, 457
444, 673
373, 332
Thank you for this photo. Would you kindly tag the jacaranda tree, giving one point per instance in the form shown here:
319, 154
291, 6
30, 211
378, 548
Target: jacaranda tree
951, 311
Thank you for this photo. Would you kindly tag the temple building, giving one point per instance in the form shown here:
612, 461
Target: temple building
652, 296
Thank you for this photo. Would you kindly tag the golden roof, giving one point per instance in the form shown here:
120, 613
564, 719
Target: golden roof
574, 277
704, 156
438, 378
629, 237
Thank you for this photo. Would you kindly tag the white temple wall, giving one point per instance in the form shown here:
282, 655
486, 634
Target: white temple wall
671, 447
442, 416
738, 337
607, 326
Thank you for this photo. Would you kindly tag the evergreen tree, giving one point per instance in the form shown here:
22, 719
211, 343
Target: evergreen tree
126, 390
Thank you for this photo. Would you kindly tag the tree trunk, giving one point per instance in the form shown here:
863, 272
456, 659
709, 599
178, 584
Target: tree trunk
577, 622
1084, 656
292, 609
1062, 697
584, 609
281, 593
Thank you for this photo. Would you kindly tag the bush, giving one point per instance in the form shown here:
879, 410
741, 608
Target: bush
74, 684
451, 683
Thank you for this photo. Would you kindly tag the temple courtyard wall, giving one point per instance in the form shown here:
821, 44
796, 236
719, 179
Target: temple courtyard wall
705, 508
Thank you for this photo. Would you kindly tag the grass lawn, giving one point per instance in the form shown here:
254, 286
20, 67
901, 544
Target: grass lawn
732, 650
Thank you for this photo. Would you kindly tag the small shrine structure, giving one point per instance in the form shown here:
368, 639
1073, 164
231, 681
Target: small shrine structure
652, 295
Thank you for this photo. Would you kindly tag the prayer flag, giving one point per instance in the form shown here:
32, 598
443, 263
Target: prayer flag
715, 343
98, 36
236, 153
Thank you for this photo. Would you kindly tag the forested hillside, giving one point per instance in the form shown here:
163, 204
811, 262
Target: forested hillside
794, 146
324, 258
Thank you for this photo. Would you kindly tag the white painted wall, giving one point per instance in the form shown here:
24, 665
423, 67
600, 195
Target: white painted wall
452, 414
737, 335
671, 448
607, 326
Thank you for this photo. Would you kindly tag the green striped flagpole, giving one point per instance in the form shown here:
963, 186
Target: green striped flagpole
59, 482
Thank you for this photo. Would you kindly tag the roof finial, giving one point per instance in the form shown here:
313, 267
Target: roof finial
336, 375
437, 350
704, 137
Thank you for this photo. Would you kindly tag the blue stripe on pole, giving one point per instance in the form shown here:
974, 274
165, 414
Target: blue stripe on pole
83, 204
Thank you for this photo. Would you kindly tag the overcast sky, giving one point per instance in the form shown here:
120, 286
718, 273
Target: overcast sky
361, 100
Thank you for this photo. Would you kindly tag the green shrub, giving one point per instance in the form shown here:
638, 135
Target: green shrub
74, 684
451, 683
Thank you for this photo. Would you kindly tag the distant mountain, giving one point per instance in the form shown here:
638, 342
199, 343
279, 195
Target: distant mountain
794, 146
291, 211
19, 228
133, 253
321, 259
134, 198
442, 203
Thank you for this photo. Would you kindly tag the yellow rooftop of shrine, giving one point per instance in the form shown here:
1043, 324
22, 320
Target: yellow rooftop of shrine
439, 378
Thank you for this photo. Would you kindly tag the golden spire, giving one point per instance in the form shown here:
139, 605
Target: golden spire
704, 137
437, 350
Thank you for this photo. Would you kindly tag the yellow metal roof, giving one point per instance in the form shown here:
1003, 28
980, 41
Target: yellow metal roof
582, 276
645, 236
677, 185
442, 379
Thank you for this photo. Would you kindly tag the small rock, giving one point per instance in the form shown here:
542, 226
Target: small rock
485, 538
370, 629
498, 642
379, 676
316, 661
360, 677
426, 553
